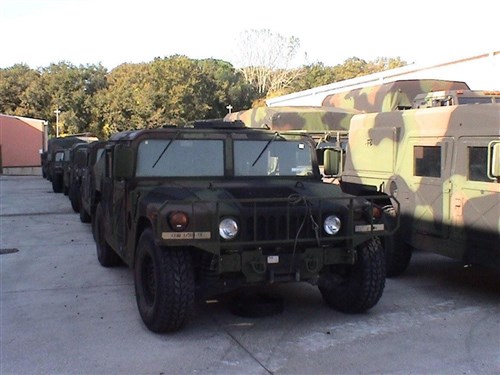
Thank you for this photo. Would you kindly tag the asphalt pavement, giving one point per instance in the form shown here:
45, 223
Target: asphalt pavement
62, 313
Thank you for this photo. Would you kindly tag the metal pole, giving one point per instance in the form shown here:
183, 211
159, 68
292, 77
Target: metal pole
57, 111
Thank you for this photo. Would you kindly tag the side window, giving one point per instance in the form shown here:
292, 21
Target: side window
427, 161
478, 161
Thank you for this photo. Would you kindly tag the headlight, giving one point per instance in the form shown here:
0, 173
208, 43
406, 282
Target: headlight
332, 225
228, 228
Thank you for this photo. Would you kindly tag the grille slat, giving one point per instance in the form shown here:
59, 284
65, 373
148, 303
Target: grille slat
272, 227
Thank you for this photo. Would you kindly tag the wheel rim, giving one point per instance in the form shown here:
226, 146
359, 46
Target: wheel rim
148, 280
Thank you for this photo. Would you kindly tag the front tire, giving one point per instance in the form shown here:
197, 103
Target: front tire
358, 287
164, 285
74, 198
57, 183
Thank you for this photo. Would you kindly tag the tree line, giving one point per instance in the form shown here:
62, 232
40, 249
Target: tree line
170, 90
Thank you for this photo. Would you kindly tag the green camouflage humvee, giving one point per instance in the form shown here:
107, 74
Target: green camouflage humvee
443, 165
216, 207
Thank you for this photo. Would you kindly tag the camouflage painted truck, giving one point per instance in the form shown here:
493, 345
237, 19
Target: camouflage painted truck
443, 165
218, 207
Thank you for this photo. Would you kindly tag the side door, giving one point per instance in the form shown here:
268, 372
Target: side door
475, 208
119, 210
430, 182
112, 199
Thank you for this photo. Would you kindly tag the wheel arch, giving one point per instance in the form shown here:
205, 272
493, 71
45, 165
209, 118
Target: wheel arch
142, 224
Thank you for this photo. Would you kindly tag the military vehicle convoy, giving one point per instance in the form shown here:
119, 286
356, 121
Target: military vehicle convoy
52, 165
443, 165
207, 209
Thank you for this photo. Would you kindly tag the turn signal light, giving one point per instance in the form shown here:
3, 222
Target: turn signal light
178, 220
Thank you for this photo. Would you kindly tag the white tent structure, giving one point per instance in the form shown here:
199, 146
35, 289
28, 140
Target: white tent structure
481, 72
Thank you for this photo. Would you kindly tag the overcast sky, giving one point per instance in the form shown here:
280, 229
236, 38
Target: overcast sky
112, 32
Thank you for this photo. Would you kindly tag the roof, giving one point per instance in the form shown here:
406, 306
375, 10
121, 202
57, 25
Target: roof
310, 118
389, 96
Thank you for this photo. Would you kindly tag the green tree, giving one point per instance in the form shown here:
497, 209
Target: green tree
229, 88
125, 102
384, 63
312, 75
14, 82
70, 89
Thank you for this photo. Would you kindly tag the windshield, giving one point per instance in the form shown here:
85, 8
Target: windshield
277, 158
180, 158
59, 156
475, 100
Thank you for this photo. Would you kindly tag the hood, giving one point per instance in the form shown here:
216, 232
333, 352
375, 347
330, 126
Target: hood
242, 190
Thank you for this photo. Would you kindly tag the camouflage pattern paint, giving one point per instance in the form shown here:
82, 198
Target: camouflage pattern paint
314, 119
444, 209
388, 96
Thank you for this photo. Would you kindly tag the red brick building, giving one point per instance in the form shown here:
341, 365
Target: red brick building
22, 140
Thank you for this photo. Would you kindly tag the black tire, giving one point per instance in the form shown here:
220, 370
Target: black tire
84, 215
397, 252
164, 285
57, 184
398, 255
358, 287
105, 254
73, 198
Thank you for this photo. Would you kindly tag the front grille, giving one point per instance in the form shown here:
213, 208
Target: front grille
273, 227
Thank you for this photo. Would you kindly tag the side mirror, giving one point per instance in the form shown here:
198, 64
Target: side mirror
494, 160
123, 162
333, 162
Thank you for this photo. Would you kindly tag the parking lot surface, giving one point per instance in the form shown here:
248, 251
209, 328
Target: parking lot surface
62, 313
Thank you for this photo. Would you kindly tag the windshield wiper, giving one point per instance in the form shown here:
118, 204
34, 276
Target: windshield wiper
166, 148
276, 135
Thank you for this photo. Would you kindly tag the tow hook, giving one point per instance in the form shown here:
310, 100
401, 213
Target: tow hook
312, 264
258, 266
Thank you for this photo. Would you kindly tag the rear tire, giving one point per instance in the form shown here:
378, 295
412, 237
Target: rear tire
398, 255
164, 285
358, 287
